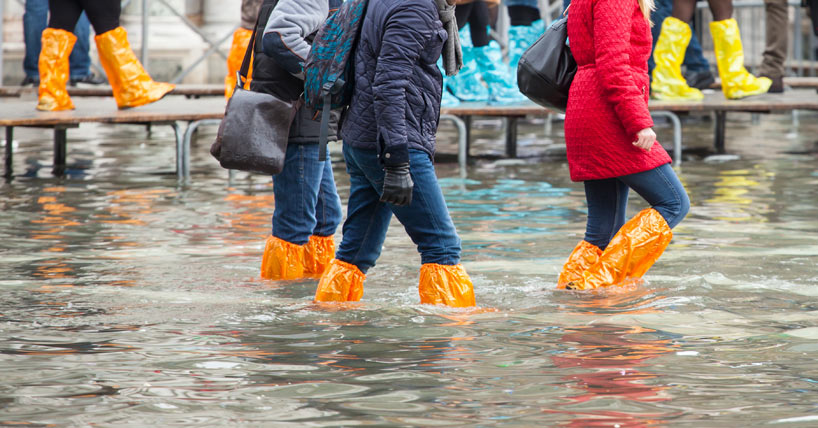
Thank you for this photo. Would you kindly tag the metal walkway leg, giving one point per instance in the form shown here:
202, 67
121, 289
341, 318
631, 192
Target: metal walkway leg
9, 151
462, 141
511, 136
677, 134
721, 119
60, 149
191, 128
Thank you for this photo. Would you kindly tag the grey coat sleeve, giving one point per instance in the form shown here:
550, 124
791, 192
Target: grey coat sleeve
287, 29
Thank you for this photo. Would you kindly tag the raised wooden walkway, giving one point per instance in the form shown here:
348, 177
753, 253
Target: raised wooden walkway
190, 91
174, 110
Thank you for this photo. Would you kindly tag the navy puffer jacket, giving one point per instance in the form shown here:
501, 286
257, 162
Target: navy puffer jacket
396, 102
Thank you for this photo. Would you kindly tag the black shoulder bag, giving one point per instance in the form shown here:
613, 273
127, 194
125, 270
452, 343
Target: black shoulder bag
547, 68
256, 126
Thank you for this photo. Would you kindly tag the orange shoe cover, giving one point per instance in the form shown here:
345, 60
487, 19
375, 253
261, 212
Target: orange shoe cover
132, 86
282, 260
341, 282
241, 38
632, 251
53, 64
318, 253
584, 256
445, 285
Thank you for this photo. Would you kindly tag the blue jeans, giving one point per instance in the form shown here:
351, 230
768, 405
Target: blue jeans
694, 59
426, 219
35, 20
608, 201
306, 201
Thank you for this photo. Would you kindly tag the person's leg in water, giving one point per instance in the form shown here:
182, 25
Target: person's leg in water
364, 232
639, 242
307, 213
426, 219
132, 86
494, 70
467, 84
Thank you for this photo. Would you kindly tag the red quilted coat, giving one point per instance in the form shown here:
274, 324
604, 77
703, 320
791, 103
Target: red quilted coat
608, 101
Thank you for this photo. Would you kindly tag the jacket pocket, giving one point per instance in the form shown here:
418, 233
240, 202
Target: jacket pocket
431, 52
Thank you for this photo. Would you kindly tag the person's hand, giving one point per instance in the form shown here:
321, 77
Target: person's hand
645, 139
397, 185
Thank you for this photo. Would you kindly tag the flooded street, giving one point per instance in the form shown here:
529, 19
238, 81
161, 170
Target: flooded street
130, 300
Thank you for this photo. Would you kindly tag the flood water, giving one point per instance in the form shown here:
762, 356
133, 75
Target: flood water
131, 300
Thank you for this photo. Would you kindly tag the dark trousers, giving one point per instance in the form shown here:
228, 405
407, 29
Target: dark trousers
426, 219
103, 14
35, 20
608, 201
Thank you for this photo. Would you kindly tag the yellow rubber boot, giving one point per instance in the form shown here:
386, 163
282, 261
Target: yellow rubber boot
282, 260
54, 71
667, 82
318, 253
340, 282
132, 86
445, 285
241, 38
632, 251
583, 257
736, 81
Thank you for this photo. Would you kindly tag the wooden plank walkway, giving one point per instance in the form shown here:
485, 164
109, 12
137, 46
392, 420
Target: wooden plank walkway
169, 111
172, 110
802, 99
191, 91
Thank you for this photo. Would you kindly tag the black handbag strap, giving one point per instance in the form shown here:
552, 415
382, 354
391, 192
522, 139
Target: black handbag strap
248, 55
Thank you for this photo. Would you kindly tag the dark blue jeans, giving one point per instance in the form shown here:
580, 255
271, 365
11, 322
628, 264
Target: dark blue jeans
35, 20
306, 201
608, 201
694, 59
426, 219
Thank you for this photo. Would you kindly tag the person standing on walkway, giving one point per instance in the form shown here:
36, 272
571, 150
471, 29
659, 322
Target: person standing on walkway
131, 85
307, 207
241, 38
776, 24
35, 20
485, 76
389, 144
611, 147
697, 69
736, 81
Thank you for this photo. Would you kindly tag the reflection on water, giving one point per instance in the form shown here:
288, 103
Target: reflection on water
129, 300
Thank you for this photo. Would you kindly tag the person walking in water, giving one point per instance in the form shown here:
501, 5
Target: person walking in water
132, 86
611, 147
307, 207
389, 143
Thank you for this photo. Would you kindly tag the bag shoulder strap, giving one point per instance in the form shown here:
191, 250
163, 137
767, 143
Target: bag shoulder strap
248, 55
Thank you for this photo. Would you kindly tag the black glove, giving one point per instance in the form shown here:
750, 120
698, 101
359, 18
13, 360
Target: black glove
397, 185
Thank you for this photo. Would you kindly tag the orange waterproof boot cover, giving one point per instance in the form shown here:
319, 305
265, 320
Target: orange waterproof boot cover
132, 86
282, 260
241, 38
445, 285
341, 282
54, 71
318, 253
632, 251
583, 257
